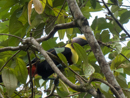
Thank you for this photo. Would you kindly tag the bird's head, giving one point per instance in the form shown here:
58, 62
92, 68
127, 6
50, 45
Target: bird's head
81, 40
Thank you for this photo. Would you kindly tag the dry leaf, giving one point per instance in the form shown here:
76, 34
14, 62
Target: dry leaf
38, 6
29, 11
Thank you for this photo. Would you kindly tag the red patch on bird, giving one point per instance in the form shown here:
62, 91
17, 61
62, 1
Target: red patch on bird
33, 70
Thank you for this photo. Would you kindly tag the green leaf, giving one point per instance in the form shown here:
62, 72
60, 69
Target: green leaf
75, 68
43, 2
81, 52
88, 70
114, 8
35, 22
50, 24
128, 84
21, 70
122, 81
115, 2
57, 3
116, 44
62, 93
97, 75
14, 24
8, 4
86, 12
112, 55
123, 36
3, 38
128, 44
49, 44
59, 50
93, 3
120, 70
5, 54
50, 2
94, 23
106, 50
9, 80
126, 68
104, 87
125, 17
105, 36
102, 24
61, 32
119, 59
24, 16
37, 33
63, 58
63, 86
3, 26
70, 30
36, 81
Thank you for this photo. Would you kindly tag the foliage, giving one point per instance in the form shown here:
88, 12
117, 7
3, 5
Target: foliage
25, 18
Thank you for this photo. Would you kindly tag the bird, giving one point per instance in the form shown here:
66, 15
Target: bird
44, 69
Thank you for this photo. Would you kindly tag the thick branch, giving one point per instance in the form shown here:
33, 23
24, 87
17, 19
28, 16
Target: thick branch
83, 24
9, 48
52, 32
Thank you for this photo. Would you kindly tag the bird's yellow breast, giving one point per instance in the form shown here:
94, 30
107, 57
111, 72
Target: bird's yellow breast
75, 56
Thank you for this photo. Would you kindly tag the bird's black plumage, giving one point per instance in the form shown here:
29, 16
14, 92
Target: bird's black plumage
45, 70
1, 79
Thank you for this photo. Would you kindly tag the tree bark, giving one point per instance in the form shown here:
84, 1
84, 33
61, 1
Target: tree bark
85, 29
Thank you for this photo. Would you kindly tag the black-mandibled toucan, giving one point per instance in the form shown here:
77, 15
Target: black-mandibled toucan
44, 69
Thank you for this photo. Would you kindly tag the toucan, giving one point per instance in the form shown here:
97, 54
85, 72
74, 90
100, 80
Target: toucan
44, 69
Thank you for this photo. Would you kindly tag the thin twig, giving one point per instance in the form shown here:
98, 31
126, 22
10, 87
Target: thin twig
30, 70
9, 60
11, 35
120, 25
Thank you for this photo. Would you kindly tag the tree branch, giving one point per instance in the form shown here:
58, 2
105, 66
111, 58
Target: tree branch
56, 28
84, 27
9, 48
52, 32
11, 35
